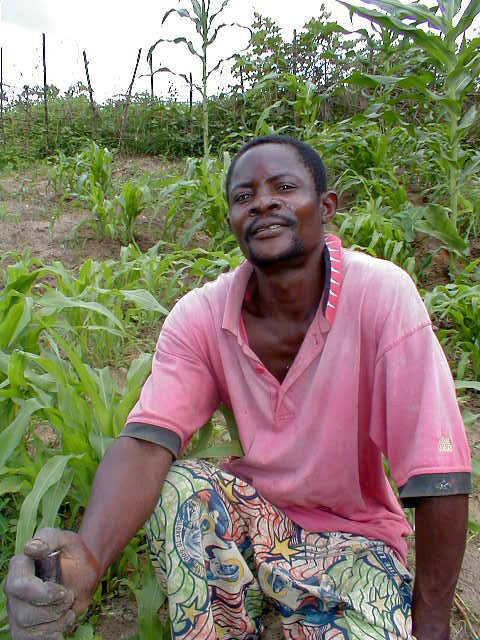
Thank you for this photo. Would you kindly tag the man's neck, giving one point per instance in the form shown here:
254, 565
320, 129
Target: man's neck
292, 289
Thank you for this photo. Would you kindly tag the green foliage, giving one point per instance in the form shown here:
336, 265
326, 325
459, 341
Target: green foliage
203, 17
81, 174
87, 177
58, 412
375, 229
456, 309
459, 65
199, 198
150, 598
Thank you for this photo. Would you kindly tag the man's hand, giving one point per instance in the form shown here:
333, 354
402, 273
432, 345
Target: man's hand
43, 610
125, 491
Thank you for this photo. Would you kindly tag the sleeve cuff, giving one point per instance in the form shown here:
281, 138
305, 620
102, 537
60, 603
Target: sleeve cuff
151, 433
434, 484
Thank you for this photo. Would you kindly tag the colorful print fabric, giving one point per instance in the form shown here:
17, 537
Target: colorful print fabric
219, 548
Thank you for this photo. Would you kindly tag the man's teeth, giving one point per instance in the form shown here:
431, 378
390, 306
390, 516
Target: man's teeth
270, 226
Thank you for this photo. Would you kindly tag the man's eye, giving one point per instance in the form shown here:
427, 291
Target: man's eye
285, 186
241, 196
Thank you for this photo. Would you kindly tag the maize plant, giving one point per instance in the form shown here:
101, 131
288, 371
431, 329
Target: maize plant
455, 59
203, 17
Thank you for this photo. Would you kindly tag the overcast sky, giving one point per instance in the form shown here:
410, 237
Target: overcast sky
112, 31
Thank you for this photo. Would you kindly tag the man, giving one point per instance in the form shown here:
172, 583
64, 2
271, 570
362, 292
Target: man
328, 360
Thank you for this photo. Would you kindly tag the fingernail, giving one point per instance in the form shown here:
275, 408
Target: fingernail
36, 543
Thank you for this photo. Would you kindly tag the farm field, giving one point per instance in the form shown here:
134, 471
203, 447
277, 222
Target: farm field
109, 213
27, 231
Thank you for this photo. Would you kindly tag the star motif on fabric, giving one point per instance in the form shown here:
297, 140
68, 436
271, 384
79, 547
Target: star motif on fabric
220, 632
283, 548
190, 612
228, 490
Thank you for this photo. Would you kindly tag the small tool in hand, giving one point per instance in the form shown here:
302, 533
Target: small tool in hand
48, 569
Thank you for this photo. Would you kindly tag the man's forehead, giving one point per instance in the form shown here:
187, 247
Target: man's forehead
269, 157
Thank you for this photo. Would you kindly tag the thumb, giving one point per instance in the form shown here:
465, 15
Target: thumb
45, 542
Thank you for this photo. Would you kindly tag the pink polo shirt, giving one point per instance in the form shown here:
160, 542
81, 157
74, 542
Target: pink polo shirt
369, 379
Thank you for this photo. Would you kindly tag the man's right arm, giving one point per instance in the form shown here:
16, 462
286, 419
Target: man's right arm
125, 492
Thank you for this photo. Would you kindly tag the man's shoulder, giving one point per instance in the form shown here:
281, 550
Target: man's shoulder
364, 272
384, 296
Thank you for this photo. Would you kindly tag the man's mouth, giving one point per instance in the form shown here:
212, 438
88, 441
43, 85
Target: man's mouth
266, 228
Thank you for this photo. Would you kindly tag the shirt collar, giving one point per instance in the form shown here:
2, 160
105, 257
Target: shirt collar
331, 290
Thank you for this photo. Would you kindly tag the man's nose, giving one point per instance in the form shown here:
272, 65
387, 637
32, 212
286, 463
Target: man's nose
264, 203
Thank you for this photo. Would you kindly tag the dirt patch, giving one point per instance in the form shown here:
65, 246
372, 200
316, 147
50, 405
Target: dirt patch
118, 619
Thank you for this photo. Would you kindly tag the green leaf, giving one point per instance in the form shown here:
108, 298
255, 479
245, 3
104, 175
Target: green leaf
467, 384
23, 321
49, 474
468, 118
100, 443
222, 450
144, 300
149, 599
457, 82
53, 499
85, 632
410, 10
436, 223
54, 301
13, 434
476, 466
183, 13
468, 16
12, 484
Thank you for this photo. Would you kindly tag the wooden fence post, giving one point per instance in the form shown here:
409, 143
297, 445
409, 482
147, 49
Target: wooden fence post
127, 101
90, 92
1, 95
150, 62
294, 53
190, 117
45, 91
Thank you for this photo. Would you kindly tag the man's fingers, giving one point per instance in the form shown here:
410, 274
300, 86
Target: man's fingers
45, 541
27, 615
21, 566
21, 583
47, 631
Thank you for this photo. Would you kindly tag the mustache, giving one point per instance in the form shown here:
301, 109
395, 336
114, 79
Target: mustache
288, 221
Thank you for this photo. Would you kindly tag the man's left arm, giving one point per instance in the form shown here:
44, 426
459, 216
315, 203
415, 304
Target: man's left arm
440, 532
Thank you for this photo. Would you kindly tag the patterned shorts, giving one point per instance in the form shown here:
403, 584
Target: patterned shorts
219, 548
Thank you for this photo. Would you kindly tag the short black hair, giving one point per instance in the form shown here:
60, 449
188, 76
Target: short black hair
309, 157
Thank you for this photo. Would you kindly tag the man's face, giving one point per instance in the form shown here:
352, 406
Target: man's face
275, 212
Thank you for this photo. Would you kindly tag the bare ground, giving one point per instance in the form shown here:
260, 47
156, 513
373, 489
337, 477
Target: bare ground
26, 210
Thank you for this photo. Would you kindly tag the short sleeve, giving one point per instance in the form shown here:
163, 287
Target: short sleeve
180, 394
416, 421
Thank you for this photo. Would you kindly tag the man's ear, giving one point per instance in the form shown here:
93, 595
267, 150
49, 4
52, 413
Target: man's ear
328, 204
228, 222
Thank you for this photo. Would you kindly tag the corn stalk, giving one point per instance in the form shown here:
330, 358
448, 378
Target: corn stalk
447, 48
203, 17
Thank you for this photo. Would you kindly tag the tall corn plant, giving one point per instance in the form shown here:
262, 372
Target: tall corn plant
457, 60
203, 17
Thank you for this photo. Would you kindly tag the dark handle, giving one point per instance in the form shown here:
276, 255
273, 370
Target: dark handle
48, 569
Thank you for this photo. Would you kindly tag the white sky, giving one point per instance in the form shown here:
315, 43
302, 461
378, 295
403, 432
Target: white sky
112, 31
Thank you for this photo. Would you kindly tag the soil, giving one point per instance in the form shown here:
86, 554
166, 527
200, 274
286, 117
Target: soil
26, 210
